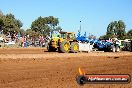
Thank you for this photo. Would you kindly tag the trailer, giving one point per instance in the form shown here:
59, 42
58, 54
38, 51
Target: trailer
100, 45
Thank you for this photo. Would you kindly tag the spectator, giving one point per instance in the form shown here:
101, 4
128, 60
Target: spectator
22, 41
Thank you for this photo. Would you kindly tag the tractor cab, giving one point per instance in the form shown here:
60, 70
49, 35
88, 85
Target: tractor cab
67, 35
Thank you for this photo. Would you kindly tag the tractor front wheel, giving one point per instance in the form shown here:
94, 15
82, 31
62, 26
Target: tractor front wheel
51, 49
64, 47
74, 47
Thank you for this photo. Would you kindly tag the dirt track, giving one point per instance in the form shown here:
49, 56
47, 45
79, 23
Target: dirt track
36, 68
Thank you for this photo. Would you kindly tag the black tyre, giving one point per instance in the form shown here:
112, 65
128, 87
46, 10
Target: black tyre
64, 47
74, 47
51, 49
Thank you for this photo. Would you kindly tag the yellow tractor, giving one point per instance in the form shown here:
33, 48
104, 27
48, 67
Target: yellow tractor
65, 42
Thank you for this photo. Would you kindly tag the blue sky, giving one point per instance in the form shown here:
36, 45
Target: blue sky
94, 14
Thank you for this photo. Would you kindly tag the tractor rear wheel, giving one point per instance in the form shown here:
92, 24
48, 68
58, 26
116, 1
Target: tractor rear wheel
64, 47
74, 47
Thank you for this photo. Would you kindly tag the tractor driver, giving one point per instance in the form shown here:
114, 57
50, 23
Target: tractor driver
68, 36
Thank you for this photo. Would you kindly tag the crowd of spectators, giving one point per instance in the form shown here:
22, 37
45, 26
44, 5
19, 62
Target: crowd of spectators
25, 40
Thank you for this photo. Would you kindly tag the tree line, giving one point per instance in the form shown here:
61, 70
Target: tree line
117, 29
41, 26
8, 23
46, 25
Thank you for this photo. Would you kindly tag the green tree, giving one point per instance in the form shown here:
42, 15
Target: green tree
121, 33
18, 23
58, 29
22, 32
52, 21
32, 33
1, 24
110, 30
129, 34
9, 24
1, 13
116, 29
45, 25
38, 25
104, 37
1, 21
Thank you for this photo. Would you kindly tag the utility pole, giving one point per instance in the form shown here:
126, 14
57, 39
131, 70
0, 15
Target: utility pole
80, 26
